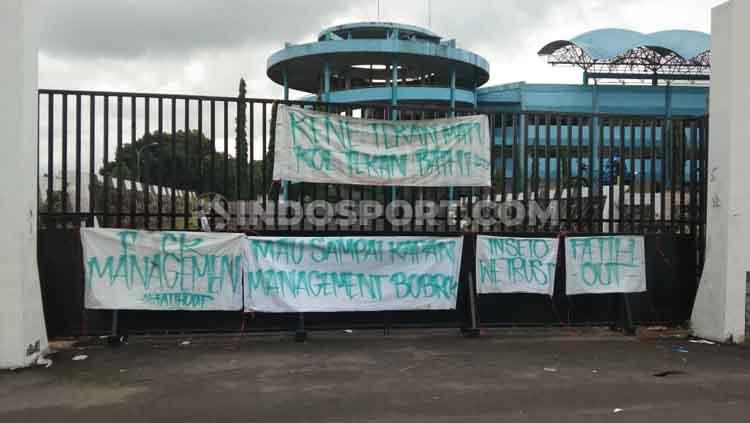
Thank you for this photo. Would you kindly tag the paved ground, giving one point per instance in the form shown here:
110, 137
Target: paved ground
434, 376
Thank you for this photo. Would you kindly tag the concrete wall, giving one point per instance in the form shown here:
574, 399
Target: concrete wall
719, 312
22, 332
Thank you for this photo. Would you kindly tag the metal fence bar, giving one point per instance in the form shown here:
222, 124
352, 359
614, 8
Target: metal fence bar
703, 187
547, 185
539, 156
226, 147
64, 159
567, 185
652, 203
251, 148
120, 175
50, 153
185, 191
212, 137
693, 177
160, 189
93, 189
664, 171
173, 166
558, 163
631, 176
676, 187
105, 157
684, 213
78, 154
589, 216
525, 168
598, 187
201, 183
147, 177
134, 182
642, 172
212, 162
611, 194
620, 177
515, 170
503, 146
264, 153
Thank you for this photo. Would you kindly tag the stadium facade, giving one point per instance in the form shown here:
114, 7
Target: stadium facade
624, 72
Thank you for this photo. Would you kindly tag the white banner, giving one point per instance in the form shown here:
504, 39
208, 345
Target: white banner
351, 273
140, 270
604, 264
329, 148
516, 265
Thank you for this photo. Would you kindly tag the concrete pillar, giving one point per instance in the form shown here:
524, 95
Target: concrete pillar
595, 138
719, 308
394, 83
475, 96
451, 190
668, 100
327, 82
285, 75
394, 103
453, 90
23, 336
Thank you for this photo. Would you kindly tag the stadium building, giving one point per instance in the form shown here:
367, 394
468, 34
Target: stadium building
624, 72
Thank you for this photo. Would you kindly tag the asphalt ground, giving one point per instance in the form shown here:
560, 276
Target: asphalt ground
426, 376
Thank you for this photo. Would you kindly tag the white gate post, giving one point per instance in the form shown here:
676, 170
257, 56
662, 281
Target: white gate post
719, 312
22, 332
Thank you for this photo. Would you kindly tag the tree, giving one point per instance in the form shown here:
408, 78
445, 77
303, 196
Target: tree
183, 161
241, 145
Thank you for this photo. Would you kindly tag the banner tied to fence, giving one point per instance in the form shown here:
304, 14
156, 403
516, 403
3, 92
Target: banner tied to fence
351, 273
329, 148
516, 265
140, 270
605, 264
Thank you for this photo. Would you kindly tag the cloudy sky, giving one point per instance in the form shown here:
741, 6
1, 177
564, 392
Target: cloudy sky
205, 46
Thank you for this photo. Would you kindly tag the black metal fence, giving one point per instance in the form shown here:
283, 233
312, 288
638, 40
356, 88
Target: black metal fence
147, 160
670, 277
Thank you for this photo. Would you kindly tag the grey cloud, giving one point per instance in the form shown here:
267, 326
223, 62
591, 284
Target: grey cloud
152, 45
132, 28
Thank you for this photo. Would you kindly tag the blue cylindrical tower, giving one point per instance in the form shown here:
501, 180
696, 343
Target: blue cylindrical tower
381, 62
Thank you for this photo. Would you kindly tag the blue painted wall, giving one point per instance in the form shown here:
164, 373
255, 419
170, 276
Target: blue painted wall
614, 99
405, 93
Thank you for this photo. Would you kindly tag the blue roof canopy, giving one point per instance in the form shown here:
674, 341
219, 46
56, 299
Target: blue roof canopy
688, 44
610, 43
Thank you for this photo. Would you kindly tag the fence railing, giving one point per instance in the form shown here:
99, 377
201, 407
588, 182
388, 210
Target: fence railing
148, 161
